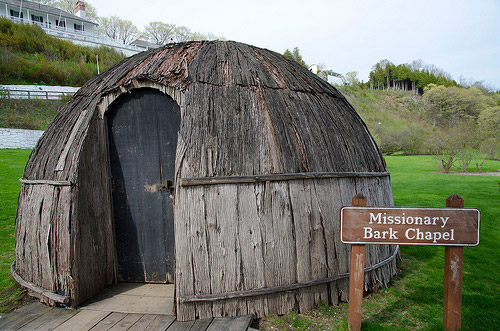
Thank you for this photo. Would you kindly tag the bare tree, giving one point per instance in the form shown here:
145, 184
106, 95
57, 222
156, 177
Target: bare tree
182, 33
127, 31
159, 32
118, 29
109, 26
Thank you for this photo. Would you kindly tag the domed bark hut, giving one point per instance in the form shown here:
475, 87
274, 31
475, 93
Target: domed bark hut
219, 166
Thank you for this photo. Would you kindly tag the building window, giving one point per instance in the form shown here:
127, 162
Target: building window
60, 24
35, 18
78, 27
14, 13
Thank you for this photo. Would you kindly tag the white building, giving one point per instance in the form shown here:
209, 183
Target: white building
76, 27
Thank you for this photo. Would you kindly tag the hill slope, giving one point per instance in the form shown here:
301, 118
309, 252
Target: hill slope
29, 56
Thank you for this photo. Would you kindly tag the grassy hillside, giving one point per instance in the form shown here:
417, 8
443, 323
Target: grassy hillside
28, 114
464, 123
393, 117
29, 56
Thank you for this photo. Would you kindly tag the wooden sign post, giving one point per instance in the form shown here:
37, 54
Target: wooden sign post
453, 227
453, 266
357, 277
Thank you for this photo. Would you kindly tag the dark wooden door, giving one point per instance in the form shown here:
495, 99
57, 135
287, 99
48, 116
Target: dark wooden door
142, 130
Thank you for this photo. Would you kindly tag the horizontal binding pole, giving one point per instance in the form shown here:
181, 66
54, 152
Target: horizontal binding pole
50, 295
45, 182
276, 177
276, 289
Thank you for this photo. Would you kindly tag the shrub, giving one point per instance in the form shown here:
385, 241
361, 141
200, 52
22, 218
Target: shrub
408, 140
446, 160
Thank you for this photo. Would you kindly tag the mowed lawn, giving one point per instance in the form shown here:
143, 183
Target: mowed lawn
415, 298
12, 162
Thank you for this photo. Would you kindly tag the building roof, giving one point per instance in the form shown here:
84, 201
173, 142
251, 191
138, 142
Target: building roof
312, 125
47, 9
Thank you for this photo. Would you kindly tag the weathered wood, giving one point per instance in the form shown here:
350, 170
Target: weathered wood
255, 290
143, 322
201, 324
181, 326
230, 323
52, 296
267, 135
127, 322
83, 320
357, 276
23, 316
453, 269
284, 288
143, 128
410, 226
48, 182
356, 285
41, 227
109, 321
160, 322
276, 177
50, 320
92, 264
452, 302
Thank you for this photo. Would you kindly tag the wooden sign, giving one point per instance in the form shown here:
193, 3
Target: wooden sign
410, 226
452, 227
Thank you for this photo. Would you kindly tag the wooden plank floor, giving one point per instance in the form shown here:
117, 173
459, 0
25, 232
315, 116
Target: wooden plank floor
37, 316
122, 307
135, 298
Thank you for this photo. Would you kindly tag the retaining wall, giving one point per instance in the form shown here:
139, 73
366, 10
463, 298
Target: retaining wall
19, 138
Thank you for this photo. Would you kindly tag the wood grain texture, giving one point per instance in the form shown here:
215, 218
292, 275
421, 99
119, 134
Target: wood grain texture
245, 111
285, 233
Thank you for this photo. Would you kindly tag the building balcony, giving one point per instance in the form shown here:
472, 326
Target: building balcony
86, 38
48, 25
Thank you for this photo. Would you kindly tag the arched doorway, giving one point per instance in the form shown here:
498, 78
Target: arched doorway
142, 130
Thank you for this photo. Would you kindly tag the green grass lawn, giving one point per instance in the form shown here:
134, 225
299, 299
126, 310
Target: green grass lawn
12, 162
415, 298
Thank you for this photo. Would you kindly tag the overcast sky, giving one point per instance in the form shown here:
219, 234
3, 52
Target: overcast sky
462, 37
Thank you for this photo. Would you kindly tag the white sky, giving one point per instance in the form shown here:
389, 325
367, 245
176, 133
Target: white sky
462, 37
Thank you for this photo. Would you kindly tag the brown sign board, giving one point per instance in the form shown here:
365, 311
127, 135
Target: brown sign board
410, 226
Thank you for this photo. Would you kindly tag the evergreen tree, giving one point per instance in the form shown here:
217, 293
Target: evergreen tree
296, 56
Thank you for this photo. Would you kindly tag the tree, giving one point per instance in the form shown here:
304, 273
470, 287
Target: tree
352, 77
159, 32
489, 122
127, 31
109, 26
296, 56
118, 29
415, 76
182, 33
454, 105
